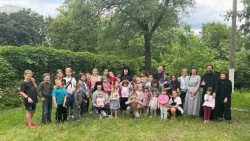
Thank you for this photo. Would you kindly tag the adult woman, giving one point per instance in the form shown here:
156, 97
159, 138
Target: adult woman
223, 98
192, 99
126, 75
99, 92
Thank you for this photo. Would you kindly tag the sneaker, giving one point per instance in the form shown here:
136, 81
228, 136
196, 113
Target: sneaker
229, 121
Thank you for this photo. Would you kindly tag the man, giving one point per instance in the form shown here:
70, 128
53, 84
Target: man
209, 79
160, 72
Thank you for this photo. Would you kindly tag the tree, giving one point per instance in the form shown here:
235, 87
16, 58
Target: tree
144, 17
21, 28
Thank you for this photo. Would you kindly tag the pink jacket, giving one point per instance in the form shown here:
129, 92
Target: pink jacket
163, 99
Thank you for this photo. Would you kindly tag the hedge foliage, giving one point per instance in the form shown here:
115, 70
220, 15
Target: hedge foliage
45, 59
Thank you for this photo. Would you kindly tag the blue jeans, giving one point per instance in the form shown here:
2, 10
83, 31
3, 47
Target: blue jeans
164, 112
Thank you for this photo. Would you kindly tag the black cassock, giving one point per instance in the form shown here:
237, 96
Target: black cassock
224, 91
211, 80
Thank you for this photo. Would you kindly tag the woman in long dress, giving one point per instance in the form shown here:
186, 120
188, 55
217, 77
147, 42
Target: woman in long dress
192, 99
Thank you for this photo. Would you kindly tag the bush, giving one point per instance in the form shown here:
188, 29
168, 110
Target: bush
45, 59
9, 97
7, 73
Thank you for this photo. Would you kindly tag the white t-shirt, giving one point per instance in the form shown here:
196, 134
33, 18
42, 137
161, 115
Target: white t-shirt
70, 84
125, 91
177, 100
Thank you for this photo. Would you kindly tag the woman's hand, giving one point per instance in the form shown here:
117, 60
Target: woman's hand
225, 100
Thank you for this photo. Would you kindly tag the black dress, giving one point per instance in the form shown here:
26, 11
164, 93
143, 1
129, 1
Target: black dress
211, 80
224, 91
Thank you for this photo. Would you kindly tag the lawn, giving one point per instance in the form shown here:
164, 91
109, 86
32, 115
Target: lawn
12, 127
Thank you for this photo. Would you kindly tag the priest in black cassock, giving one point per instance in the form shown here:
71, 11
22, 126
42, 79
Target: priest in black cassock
209, 79
223, 98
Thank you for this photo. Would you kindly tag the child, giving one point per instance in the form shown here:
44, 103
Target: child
99, 104
139, 93
209, 104
59, 97
154, 104
174, 104
145, 100
78, 99
46, 88
114, 101
125, 90
85, 90
70, 86
28, 91
133, 103
163, 103
112, 78
106, 85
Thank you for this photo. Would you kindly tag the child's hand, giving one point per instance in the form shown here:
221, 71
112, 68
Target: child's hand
55, 106
225, 100
43, 98
30, 100
64, 105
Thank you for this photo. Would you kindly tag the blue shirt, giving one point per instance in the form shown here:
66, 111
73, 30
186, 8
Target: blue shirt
59, 94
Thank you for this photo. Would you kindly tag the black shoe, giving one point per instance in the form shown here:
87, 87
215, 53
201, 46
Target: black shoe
229, 121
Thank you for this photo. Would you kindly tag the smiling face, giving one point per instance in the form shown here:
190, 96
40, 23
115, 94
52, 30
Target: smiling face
95, 71
209, 68
125, 71
68, 72
46, 78
194, 71
174, 94
223, 76
28, 76
105, 72
99, 87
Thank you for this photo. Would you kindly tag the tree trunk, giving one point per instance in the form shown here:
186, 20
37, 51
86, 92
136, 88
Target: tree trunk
147, 52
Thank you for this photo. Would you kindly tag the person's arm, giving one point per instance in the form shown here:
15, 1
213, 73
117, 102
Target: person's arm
76, 98
64, 102
198, 85
229, 91
54, 101
23, 94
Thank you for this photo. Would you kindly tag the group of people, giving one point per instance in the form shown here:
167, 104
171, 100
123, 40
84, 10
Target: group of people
143, 94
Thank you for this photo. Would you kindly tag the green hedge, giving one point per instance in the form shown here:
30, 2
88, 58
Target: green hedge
45, 59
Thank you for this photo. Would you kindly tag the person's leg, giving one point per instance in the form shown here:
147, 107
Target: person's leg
87, 106
183, 96
49, 108
173, 113
59, 113
28, 118
136, 113
209, 110
162, 112
165, 113
227, 111
64, 114
205, 117
45, 111
128, 110
82, 108
115, 111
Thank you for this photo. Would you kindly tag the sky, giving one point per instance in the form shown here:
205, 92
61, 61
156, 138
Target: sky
204, 11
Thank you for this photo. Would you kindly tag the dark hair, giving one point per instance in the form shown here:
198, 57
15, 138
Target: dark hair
96, 84
194, 68
82, 74
210, 66
210, 89
155, 81
145, 73
126, 68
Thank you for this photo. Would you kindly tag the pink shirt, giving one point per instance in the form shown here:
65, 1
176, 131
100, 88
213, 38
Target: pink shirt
163, 99
209, 101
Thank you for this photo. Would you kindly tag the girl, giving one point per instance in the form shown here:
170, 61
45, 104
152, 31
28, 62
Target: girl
174, 104
85, 97
78, 100
28, 91
126, 75
209, 104
94, 77
174, 84
114, 101
148, 84
106, 85
112, 78
59, 97
99, 104
163, 103
154, 104
146, 99
59, 76
144, 77
133, 103
139, 93
125, 91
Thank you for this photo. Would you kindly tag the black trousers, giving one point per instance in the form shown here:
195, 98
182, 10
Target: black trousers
183, 96
61, 113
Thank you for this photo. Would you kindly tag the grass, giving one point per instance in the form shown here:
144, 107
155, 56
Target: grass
12, 127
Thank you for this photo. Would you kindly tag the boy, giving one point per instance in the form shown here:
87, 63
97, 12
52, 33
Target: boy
46, 88
59, 98
70, 86
28, 91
